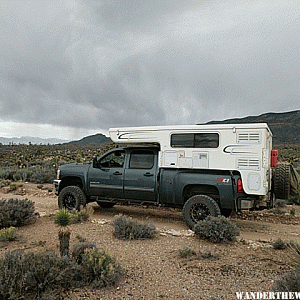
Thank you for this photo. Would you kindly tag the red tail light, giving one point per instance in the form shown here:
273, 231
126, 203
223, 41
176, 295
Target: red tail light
240, 186
274, 158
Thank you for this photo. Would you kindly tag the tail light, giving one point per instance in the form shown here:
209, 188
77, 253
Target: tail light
274, 158
240, 186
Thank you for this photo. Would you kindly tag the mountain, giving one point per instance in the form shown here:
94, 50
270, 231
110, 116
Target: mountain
92, 139
284, 126
30, 140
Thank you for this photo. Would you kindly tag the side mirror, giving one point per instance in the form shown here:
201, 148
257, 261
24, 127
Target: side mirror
95, 163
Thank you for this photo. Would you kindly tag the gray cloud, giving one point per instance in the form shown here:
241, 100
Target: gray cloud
98, 64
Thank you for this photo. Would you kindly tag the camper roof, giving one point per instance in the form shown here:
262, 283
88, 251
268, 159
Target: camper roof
153, 133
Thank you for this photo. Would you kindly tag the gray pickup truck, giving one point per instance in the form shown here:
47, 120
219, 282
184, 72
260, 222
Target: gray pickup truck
131, 175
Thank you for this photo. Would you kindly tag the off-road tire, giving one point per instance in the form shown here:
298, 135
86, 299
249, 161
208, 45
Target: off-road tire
106, 204
198, 208
282, 181
71, 197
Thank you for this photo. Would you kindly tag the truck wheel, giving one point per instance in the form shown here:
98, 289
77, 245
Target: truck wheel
71, 197
282, 181
197, 208
106, 204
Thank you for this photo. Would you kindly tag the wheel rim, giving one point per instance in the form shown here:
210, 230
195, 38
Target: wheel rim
69, 201
199, 212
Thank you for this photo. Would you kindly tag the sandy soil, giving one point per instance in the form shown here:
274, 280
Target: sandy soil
153, 267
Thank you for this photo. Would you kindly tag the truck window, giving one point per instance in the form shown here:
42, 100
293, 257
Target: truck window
195, 140
141, 159
113, 160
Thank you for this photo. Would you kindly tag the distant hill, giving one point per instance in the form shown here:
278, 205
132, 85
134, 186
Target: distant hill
92, 139
284, 126
30, 140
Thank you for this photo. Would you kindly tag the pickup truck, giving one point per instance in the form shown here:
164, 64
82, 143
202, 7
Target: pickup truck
131, 175
202, 169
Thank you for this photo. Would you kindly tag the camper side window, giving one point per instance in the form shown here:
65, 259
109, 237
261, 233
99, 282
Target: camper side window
195, 140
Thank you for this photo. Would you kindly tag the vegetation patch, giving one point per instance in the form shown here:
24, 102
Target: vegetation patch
44, 275
216, 229
127, 229
290, 282
186, 252
279, 244
16, 212
102, 269
83, 215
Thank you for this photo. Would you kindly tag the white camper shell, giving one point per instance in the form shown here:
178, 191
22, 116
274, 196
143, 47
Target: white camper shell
235, 147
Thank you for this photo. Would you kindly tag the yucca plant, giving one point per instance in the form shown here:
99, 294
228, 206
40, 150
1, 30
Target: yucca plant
63, 219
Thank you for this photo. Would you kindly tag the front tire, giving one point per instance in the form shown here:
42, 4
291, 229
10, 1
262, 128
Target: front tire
198, 208
71, 197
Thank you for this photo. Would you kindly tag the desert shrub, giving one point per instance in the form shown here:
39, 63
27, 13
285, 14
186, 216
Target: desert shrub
80, 249
278, 211
289, 282
208, 253
4, 183
279, 244
294, 200
127, 229
83, 215
186, 252
37, 275
280, 203
102, 269
8, 234
295, 250
80, 238
216, 229
16, 212
43, 174
292, 211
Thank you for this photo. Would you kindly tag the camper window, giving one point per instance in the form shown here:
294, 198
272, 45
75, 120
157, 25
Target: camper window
195, 140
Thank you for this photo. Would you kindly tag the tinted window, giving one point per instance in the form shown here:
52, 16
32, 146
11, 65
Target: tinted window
141, 159
113, 160
195, 140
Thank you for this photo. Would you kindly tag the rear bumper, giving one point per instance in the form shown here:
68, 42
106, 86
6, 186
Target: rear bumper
56, 183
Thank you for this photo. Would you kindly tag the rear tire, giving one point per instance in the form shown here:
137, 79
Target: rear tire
71, 197
198, 208
282, 181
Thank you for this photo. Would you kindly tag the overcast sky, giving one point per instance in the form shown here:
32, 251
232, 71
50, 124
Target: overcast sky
71, 68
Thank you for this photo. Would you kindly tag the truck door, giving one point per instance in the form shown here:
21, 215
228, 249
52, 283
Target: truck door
140, 181
106, 176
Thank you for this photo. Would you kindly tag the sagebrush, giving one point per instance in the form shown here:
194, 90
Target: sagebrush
216, 229
127, 229
44, 275
16, 212
290, 282
37, 275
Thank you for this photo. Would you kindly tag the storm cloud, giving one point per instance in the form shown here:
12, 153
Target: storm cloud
91, 65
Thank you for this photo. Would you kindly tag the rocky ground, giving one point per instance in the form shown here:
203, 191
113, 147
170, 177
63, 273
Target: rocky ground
153, 267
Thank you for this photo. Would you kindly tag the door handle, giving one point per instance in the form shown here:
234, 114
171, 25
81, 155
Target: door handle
148, 174
117, 173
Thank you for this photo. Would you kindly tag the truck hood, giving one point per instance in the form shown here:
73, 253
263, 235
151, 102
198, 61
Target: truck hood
74, 169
